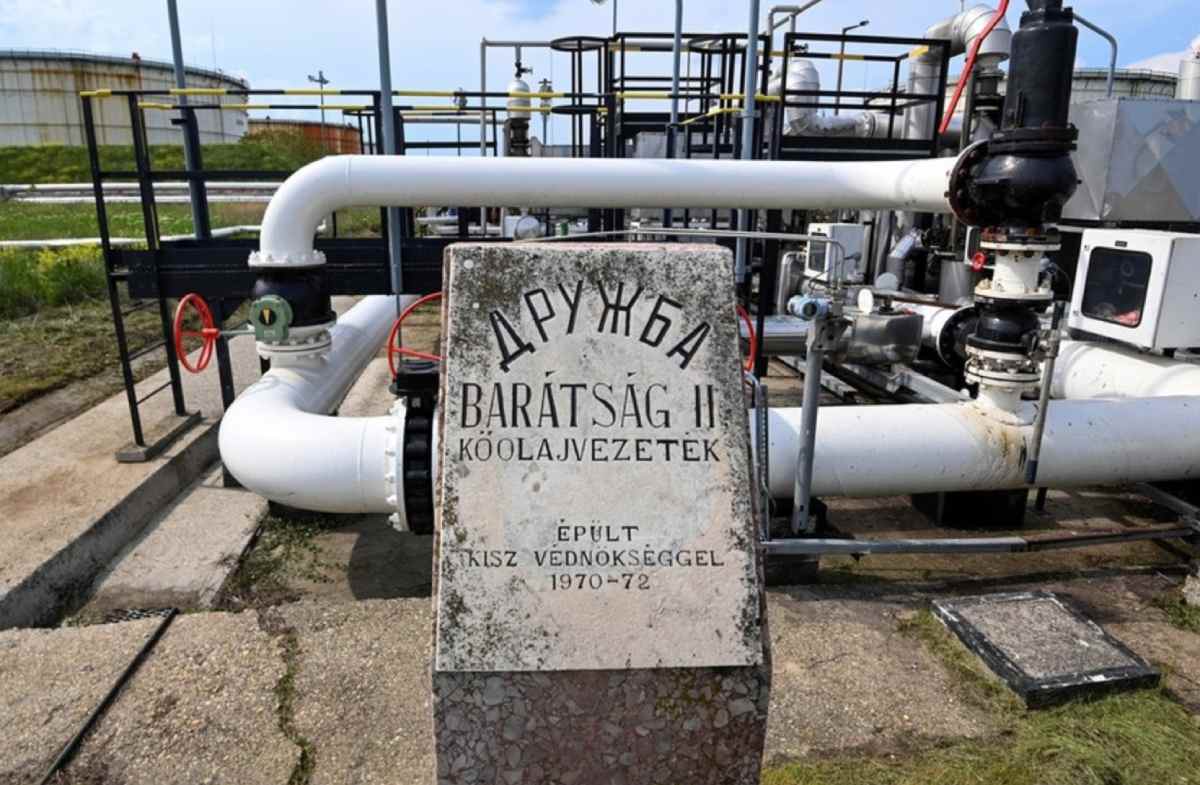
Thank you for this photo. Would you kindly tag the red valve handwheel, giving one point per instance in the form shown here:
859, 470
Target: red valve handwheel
978, 261
208, 333
394, 352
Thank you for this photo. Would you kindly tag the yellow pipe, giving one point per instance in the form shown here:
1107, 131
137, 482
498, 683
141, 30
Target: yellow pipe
197, 91
712, 113
155, 105
95, 93
757, 97
348, 107
536, 95
426, 93
633, 96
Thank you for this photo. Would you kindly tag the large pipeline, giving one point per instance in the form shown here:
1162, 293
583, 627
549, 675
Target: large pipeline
338, 182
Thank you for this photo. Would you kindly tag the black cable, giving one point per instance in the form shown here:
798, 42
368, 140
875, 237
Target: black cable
68, 751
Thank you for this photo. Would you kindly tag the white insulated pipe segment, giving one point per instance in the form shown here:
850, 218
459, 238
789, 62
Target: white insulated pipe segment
925, 448
337, 182
1098, 370
278, 441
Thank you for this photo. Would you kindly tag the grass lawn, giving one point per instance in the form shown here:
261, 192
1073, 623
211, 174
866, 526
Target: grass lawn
269, 151
62, 344
1126, 739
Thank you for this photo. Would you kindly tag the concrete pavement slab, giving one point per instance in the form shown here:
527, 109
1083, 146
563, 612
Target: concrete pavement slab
184, 556
362, 689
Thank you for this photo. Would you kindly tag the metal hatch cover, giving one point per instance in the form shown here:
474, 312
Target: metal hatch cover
1044, 649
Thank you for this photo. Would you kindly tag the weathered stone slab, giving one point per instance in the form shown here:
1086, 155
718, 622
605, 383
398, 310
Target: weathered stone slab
599, 605
595, 508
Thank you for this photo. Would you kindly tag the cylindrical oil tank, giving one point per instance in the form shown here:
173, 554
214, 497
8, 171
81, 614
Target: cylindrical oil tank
336, 139
1189, 78
40, 104
1090, 83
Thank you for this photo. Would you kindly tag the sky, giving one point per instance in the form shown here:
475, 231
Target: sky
435, 45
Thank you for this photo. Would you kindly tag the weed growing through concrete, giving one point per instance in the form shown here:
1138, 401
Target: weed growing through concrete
285, 551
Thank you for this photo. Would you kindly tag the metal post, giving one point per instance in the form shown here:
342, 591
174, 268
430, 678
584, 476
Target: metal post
199, 218
802, 493
483, 45
614, 17
837, 98
748, 151
1039, 425
1112, 44
389, 144
321, 81
673, 128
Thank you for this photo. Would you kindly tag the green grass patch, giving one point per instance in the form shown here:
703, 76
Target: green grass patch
1179, 613
1121, 739
31, 280
31, 221
66, 343
1129, 739
269, 150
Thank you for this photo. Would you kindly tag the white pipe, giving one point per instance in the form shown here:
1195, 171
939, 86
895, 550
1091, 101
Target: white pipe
227, 231
919, 448
278, 442
1097, 370
337, 182
961, 30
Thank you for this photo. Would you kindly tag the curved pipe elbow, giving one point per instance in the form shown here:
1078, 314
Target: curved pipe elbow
297, 209
311, 461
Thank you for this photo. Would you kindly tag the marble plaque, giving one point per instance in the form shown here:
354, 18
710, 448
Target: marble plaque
594, 485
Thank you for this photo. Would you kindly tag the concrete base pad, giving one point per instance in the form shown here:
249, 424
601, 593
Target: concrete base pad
695, 725
186, 552
1044, 650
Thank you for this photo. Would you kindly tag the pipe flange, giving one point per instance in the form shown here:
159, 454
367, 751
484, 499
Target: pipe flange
988, 293
313, 258
416, 480
959, 194
302, 342
393, 453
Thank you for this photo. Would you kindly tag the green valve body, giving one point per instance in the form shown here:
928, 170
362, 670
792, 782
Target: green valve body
271, 316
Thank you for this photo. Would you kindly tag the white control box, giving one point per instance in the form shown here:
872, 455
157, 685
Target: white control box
821, 257
1139, 287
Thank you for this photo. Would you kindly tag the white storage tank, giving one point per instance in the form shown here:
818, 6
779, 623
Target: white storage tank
40, 104
1189, 75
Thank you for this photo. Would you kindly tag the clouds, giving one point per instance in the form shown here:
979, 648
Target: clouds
1169, 61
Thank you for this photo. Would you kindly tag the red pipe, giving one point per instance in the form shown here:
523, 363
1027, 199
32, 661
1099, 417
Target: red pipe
964, 77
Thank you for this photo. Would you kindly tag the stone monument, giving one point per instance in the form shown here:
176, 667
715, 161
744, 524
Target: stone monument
600, 616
